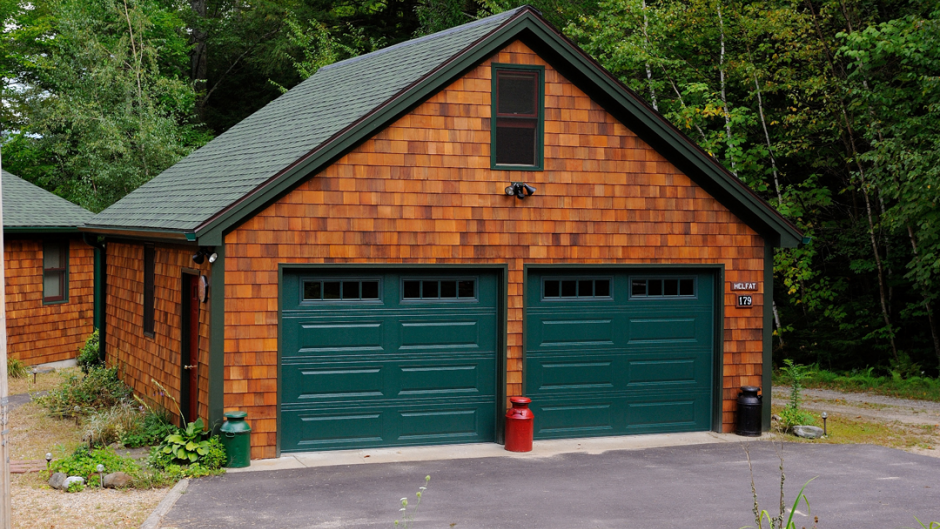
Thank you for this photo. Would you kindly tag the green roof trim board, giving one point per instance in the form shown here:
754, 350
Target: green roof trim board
29, 208
297, 135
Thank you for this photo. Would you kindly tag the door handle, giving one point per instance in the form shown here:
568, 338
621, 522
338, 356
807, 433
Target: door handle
189, 367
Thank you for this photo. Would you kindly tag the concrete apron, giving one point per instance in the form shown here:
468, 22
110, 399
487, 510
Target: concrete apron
540, 449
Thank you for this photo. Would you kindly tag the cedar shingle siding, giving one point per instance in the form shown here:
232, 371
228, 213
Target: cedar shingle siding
38, 333
142, 359
421, 191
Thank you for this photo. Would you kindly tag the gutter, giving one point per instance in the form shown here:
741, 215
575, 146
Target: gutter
140, 233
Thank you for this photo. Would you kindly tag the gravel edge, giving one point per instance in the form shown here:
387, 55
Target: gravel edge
156, 517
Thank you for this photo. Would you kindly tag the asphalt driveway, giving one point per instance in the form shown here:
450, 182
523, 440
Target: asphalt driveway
856, 486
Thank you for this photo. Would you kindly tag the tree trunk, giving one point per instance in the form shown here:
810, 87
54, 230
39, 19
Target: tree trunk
646, 47
724, 97
199, 69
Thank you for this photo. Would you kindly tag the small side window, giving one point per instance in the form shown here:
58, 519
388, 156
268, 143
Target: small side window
55, 271
438, 289
149, 276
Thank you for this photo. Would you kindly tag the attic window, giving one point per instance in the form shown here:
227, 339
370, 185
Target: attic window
518, 110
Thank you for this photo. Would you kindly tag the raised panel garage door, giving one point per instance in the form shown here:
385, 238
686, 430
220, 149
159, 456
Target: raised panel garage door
620, 352
375, 358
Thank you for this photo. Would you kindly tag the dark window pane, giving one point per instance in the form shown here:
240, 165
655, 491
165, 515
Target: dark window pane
350, 290
568, 288
638, 287
686, 287
370, 290
517, 93
602, 288
465, 289
552, 289
311, 290
585, 288
671, 287
655, 287
429, 289
412, 289
331, 290
448, 289
515, 145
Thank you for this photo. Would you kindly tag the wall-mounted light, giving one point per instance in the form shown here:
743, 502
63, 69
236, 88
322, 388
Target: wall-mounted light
200, 256
520, 190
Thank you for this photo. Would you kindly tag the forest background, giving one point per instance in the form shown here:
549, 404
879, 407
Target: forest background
829, 109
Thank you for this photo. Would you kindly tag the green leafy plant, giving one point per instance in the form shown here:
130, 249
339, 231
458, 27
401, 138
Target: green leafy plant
151, 429
792, 415
762, 515
932, 525
99, 389
89, 356
84, 462
75, 486
187, 444
16, 368
408, 517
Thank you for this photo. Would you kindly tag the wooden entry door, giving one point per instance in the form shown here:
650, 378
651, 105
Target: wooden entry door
189, 377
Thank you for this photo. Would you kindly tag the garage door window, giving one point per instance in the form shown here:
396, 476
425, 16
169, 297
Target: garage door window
443, 290
663, 288
326, 290
569, 289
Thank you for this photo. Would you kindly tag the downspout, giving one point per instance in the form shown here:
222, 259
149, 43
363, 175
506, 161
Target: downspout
100, 289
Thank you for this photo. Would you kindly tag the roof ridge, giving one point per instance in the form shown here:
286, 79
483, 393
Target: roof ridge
425, 38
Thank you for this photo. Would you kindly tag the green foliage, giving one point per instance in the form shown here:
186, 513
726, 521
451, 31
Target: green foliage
99, 389
189, 452
16, 368
75, 487
102, 107
792, 415
890, 384
84, 463
89, 355
152, 428
932, 525
406, 516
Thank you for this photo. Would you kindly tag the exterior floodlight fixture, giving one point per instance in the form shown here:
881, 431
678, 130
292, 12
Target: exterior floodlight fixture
200, 256
520, 190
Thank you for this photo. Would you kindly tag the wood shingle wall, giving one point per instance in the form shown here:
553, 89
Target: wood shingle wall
38, 333
421, 191
141, 358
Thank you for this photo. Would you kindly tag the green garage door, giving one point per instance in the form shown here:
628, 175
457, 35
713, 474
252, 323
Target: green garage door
619, 353
371, 358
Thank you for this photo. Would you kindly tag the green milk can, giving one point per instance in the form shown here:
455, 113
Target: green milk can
236, 438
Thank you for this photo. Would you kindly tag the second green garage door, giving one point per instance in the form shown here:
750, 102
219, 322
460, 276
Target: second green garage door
614, 353
379, 358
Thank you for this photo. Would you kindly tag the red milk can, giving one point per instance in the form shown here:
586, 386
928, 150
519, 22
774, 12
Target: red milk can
519, 420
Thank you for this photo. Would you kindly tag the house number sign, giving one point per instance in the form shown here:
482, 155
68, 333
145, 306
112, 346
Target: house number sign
743, 300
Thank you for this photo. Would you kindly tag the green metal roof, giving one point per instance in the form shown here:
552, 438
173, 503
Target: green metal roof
301, 132
27, 207
249, 154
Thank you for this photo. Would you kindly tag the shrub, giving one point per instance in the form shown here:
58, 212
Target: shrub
189, 452
84, 462
16, 368
89, 356
152, 428
97, 390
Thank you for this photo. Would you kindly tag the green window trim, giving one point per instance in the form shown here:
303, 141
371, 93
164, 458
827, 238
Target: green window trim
55, 273
539, 165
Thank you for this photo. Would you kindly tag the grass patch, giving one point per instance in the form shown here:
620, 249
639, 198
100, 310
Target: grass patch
842, 429
891, 384
33, 433
44, 381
